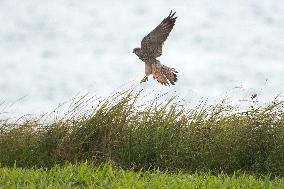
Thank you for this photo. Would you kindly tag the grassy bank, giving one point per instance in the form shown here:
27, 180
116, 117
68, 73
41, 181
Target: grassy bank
164, 135
89, 176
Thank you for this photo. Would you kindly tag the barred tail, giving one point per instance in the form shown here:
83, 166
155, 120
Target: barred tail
164, 74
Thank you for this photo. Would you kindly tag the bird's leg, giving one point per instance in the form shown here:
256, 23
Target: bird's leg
144, 79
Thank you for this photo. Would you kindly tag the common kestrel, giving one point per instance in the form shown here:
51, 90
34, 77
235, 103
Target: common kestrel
151, 48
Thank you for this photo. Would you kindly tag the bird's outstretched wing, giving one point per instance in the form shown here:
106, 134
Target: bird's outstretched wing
153, 42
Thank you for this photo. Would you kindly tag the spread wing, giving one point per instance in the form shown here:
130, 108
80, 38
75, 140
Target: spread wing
153, 42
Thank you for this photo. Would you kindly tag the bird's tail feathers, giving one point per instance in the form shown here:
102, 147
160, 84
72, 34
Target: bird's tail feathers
164, 74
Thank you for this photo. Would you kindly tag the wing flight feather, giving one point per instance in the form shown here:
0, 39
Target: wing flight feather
153, 42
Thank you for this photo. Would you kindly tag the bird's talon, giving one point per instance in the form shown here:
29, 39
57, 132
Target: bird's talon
144, 79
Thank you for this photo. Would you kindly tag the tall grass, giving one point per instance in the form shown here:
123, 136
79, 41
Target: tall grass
155, 134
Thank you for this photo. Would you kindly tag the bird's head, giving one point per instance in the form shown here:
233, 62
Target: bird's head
137, 51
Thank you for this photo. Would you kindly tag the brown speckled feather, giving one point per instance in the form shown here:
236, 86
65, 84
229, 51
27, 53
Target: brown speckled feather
164, 74
152, 43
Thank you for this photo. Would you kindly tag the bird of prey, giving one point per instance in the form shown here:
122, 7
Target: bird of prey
151, 48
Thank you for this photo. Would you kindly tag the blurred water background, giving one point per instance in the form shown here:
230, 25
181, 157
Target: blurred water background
51, 51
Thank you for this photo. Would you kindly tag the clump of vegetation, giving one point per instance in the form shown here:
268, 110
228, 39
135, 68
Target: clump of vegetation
89, 176
155, 134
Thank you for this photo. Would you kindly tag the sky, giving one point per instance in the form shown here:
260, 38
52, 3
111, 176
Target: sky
52, 51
